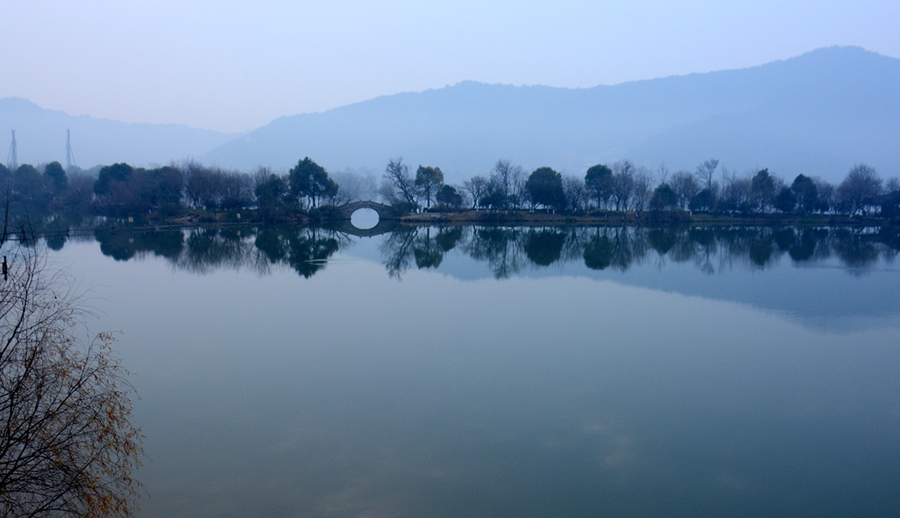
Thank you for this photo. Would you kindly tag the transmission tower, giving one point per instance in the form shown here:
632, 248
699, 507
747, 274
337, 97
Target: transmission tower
12, 158
70, 156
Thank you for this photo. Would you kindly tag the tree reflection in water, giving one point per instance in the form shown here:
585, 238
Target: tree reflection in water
499, 247
506, 250
203, 250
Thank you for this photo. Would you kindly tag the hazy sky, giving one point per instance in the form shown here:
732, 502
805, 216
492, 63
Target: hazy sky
236, 65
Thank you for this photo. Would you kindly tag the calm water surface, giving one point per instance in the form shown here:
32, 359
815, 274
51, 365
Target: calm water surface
452, 372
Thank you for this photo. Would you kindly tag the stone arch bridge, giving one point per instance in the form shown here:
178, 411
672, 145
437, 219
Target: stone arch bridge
387, 218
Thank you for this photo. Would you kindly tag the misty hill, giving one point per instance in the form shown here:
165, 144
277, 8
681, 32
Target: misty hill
41, 137
816, 114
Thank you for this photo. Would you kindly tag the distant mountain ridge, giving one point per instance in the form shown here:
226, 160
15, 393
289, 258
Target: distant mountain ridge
41, 137
816, 114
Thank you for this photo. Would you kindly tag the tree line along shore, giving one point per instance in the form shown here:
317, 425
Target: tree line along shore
620, 192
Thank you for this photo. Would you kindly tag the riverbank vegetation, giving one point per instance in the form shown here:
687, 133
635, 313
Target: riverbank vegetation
617, 192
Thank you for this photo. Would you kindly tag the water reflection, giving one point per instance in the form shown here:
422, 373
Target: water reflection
204, 250
425, 247
544, 394
506, 251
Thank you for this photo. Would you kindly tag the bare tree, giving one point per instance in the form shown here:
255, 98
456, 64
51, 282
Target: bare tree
892, 185
397, 173
685, 186
642, 189
388, 192
827, 195
662, 173
706, 172
509, 180
477, 188
236, 190
623, 184
200, 185
576, 193
858, 191
735, 191
67, 445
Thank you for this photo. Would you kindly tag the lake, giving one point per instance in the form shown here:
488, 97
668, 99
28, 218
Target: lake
498, 371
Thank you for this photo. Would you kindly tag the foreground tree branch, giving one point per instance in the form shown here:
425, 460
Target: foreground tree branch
67, 444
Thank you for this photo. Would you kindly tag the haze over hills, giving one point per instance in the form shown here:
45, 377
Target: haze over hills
816, 114
41, 137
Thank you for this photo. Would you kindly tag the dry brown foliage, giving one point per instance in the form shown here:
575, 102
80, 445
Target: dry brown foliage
67, 443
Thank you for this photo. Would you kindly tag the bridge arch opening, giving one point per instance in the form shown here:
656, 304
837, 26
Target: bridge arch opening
364, 218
